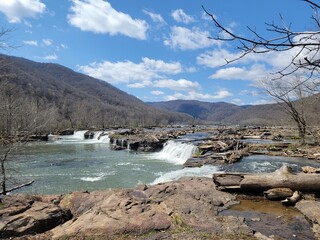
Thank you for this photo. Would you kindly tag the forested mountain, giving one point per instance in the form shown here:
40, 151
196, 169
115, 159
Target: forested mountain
53, 97
276, 114
76, 100
212, 112
226, 113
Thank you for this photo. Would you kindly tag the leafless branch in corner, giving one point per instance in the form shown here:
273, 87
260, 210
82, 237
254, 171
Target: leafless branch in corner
304, 45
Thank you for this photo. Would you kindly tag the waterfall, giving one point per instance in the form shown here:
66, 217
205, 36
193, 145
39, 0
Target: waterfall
176, 152
78, 137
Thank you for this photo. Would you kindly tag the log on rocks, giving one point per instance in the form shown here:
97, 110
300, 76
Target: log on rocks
281, 178
18, 187
278, 193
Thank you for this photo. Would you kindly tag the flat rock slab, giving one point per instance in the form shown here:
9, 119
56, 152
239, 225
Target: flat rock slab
311, 209
23, 214
186, 205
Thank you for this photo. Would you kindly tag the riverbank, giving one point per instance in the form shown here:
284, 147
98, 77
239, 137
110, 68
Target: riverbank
190, 208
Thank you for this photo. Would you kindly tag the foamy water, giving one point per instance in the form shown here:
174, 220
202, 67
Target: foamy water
79, 138
204, 171
175, 152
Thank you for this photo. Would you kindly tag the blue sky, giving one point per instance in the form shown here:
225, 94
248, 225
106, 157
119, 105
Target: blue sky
155, 50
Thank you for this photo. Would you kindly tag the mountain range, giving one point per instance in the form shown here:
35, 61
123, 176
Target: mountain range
82, 101
227, 113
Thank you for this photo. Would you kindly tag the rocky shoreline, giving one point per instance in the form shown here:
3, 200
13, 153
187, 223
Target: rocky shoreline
189, 208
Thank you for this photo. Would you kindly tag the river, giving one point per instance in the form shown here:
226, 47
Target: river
71, 163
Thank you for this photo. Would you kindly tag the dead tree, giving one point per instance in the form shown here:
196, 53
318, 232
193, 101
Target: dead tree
306, 43
292, 96
305, 62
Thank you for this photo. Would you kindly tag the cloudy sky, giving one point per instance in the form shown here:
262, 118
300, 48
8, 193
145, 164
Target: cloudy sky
155, 50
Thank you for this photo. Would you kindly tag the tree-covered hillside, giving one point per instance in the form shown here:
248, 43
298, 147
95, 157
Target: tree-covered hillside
77, 100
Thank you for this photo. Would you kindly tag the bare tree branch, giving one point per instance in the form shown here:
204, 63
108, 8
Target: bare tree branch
305, 43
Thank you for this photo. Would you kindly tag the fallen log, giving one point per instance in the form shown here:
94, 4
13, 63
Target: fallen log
18, 187
281, 178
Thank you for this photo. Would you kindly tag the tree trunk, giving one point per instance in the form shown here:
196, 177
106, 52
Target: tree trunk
281, 178
3, 180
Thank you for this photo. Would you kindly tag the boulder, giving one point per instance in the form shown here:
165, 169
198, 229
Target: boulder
23, 214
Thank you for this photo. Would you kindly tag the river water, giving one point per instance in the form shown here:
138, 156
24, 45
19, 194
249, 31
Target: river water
71, 163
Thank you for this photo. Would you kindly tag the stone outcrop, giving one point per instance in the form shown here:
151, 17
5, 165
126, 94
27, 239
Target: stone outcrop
217, 152
142, 140
187, 205
22, 214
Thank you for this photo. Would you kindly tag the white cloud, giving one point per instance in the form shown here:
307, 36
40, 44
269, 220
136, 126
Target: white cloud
254, 73
63, 46
184, 38
31, 43
193, 95
237, 101
129, 72
98, 16
263, 101
140, 84
50, 57
177, 85
250, 92
216, 58
28, 24
157, 93
15, 10
180, 16
47, 42
155, 17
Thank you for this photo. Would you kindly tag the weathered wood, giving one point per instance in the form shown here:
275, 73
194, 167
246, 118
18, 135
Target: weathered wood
18, 187
293, 199
308, 169
278, 193
281, 178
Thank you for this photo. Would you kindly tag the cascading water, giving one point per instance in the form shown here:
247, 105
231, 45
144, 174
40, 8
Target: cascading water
176, 152
79, 137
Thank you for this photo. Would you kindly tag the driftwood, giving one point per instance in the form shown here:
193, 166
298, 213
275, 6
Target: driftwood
281, 178
293, 199
308, 169
278, 193
18, 187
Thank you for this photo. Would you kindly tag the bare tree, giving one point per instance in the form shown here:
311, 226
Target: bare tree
300, 76
304, 45
292, 95
20, 116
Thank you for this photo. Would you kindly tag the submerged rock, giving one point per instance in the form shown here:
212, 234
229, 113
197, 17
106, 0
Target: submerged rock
143, 141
